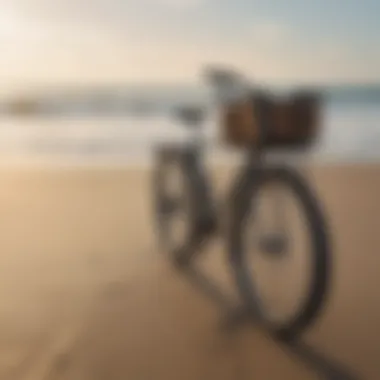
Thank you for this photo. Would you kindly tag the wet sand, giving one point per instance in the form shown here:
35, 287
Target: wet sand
85, 294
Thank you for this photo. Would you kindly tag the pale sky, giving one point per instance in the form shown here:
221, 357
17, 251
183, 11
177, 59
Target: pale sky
102, 41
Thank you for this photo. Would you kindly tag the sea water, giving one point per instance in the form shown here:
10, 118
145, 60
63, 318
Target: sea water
351, 132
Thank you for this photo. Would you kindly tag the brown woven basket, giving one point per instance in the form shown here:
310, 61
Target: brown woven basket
268, 122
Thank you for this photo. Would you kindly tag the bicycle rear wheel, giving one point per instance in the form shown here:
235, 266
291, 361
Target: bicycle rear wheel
300, 307
189, 207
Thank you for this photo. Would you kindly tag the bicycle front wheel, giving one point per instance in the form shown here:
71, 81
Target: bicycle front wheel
282, 272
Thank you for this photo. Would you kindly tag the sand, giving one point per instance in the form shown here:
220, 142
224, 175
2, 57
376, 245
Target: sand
85, 293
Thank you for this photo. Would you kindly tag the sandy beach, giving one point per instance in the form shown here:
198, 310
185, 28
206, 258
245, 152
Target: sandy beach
85, 294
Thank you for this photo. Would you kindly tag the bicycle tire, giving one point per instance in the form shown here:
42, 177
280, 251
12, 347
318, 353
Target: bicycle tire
200, 216
246, 188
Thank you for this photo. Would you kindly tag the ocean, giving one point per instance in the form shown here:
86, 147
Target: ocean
351, 132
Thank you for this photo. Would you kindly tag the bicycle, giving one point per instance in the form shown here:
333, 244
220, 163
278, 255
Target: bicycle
201, 211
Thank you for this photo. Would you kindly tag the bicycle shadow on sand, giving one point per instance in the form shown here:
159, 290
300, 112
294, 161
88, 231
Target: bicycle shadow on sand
235, 316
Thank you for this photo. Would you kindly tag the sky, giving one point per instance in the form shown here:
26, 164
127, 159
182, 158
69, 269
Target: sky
141, 41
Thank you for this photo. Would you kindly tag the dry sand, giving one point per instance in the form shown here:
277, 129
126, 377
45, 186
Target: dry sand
86, 295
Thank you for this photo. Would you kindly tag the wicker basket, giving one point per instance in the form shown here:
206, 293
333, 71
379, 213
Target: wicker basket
267, 122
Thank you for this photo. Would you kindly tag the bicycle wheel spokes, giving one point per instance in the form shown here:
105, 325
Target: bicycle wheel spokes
289, 276
169, 205
278, 263
271, 223
172, 200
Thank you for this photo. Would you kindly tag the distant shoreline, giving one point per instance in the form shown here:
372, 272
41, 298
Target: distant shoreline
151, 99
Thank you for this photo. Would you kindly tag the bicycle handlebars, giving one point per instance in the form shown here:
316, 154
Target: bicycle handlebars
227, 83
